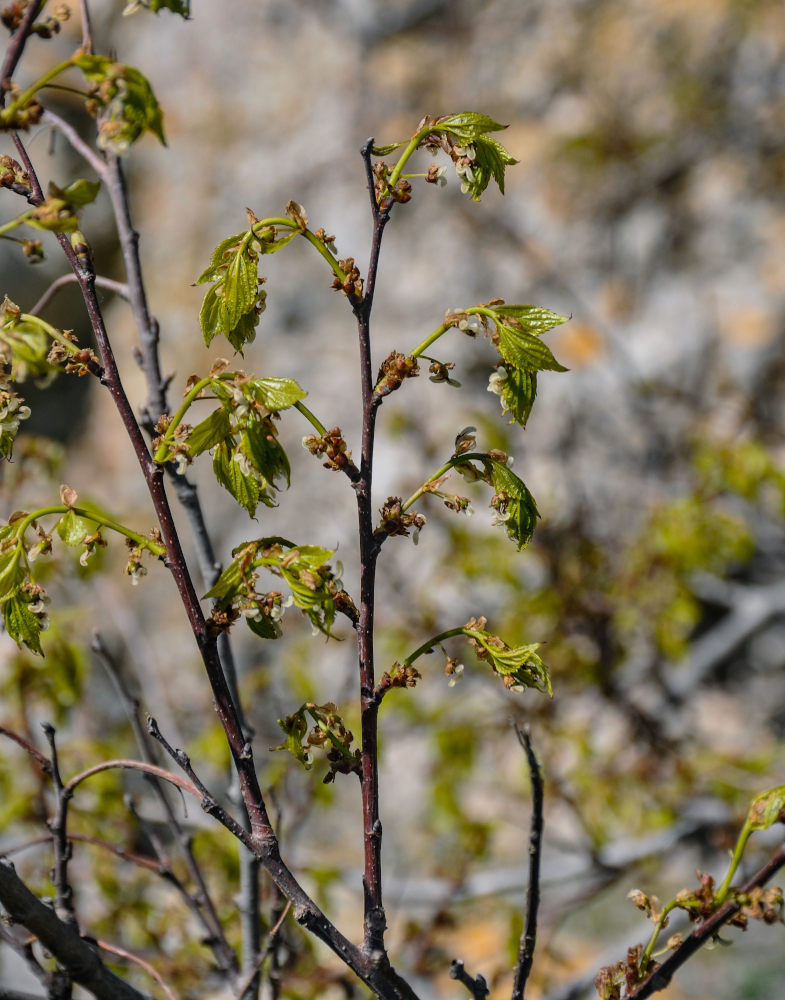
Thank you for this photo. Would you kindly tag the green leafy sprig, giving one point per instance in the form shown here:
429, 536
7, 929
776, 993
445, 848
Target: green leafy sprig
314, 588
465, 138
513, 503
236, 299
519, 667
22, 598
248, 458
515, 331
327, 733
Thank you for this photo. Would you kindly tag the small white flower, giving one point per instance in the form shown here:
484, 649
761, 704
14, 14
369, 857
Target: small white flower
455, 675
137, 573
497, 380
181, 462
243, 462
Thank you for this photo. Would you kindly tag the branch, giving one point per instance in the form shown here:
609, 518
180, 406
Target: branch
64, 905
375, 921
477, 987
202, 907
16, 46
660, 977
71, 951
76, 142
130, 957
529, 936
69, 279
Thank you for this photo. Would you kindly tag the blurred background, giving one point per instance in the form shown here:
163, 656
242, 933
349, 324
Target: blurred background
648, 205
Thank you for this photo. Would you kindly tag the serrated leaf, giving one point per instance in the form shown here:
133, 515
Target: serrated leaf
270, 244
210, 315
518, 392
244, 332
239, 289
22, 624
12, 572
767, 809
311, 556
532, 318
129, 104
276, 393
220, 258
469, 125
209, 432
265, 453
295, 727
73, 529
522, 349
520, 512
81, 192
245, 489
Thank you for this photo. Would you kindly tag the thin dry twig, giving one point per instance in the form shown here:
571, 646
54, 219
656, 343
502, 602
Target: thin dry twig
529, 937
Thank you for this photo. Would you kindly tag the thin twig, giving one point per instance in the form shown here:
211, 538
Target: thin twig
16, 46
272, 940
118, 287
130, 957
76, 142
87, 28
43, 762
202, 907
529, 937
64, 896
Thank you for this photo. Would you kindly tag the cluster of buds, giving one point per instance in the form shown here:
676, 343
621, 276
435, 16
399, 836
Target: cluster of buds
352, 284
21, 118
329, 241
385, 195
181, 454
82, 362
758, 904
332, 446
398, 676
11, 17
395, 368
14, 176
440, 372
454, 670
134, 567
436, 175
394, 521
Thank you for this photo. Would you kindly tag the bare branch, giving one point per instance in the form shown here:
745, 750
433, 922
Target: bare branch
64, 903
133, 765
477, 987
16, 45
76, 142
42, 761
529, 937
64, 942
70, 279
130, 957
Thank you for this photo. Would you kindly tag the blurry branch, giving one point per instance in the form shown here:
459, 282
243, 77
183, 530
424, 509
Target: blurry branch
704, 931
750, 608
136, 960
16, 46
477, 987
64, 903
70, 279
529, 936
201, 905
76, 141
61, 940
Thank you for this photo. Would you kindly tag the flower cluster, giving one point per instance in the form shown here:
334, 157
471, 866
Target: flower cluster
12, 412
395, 368
394, 521
333, 447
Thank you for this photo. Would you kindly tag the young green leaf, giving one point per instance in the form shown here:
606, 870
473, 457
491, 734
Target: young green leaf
518, 392
22, 624
243, 486
73, 529
521, 349
468, 126
276, 393
81, 192
239, 288
767, 809
532, 318
220, 258
209, 432
514, 504
128, 104
12, 571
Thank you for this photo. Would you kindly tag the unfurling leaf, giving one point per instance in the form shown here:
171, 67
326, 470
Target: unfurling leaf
126, 103
767, 809
22, 622
514, 504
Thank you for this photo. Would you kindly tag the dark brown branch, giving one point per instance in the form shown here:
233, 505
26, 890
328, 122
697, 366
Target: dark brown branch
477, 987
61, 940
69, 279
375, 921
16, 46
529, 937
660, 977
